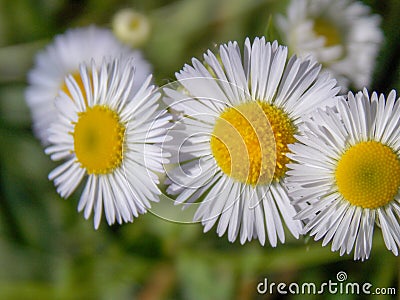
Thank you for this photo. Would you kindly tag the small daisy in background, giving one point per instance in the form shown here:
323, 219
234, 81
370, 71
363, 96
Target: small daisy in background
62, 57
131, 27
238, 115
342, 35
346, 175
110, 136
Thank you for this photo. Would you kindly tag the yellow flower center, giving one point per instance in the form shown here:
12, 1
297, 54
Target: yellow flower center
98, 139
329, 31
368, 174
134, 24
250, 141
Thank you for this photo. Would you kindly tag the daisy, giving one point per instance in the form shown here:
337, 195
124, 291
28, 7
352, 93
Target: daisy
347, 173
110, 137
131, 27
62, 57
342, 35
238, 117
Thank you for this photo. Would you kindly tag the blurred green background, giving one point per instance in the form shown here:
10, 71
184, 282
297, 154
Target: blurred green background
48, 250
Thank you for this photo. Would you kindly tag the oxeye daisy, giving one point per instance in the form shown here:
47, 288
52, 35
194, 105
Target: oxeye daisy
238, 116
347, 173
62, 57
342, 35
110, 136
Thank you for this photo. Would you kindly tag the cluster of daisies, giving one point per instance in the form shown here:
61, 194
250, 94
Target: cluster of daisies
261, 141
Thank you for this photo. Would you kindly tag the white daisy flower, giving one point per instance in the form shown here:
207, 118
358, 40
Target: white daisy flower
110, 137
62, 57
342, 35
131, 27
238, 117
347, 173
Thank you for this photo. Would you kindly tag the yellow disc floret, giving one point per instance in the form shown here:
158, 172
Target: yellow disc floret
250, 142
325, 28
368, 174
98, 140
